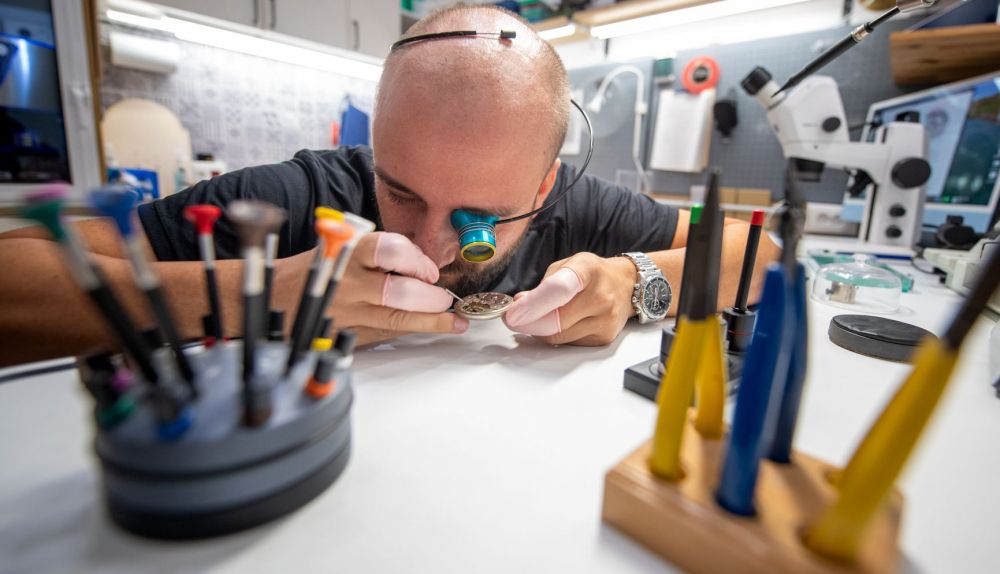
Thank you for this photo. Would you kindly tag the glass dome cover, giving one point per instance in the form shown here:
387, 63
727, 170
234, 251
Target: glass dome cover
858, 285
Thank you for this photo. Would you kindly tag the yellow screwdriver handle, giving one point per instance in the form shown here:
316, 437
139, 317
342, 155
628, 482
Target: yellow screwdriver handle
328, 213
883, 452
674, 399
711, 382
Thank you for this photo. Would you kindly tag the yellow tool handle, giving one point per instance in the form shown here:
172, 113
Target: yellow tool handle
674, 399
711, 382
328, 213
883, 452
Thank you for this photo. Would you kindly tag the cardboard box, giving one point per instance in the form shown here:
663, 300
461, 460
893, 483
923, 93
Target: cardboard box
751, 196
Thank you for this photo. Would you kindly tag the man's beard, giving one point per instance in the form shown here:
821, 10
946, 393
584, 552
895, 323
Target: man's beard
465, 278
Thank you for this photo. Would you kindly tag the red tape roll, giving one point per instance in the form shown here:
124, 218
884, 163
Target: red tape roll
700, 74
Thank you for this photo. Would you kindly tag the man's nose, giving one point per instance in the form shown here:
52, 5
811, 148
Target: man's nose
437, 239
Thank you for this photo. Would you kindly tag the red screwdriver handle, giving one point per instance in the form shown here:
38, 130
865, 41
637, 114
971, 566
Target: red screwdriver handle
203, 217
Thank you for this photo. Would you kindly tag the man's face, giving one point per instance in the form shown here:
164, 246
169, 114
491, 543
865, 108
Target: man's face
432, 158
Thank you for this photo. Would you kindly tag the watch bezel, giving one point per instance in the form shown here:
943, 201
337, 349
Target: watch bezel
643, 301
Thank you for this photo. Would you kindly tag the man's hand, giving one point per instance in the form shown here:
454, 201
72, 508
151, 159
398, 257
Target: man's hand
583, 300
387, 290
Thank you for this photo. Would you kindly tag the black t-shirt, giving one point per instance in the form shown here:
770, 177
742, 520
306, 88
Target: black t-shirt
594, 216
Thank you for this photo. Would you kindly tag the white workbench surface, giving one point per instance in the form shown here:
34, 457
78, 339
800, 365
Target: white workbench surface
487, 452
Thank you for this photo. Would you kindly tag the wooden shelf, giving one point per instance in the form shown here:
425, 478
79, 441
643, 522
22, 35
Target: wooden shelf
618, 12
942, 55
581, 32
550, 23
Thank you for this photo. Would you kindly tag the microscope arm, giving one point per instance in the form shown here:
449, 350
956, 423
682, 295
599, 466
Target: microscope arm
869, 157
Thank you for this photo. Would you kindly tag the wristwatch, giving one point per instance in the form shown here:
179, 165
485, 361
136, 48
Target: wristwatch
652, 294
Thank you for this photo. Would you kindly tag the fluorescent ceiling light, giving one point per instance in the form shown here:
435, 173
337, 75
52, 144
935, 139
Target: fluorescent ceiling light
138, 21
560, 32
280, 51
135, 7
719, 9
252, 45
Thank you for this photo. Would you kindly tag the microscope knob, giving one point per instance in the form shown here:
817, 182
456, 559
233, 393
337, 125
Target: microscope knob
911, 172
831, 124
893, 232
897, 210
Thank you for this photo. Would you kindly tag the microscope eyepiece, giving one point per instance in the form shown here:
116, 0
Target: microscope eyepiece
755, 80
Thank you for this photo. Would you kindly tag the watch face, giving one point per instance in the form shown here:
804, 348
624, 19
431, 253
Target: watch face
656, 297
483, 306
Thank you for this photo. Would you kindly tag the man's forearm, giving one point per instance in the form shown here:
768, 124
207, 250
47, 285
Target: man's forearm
734, 239
46, 315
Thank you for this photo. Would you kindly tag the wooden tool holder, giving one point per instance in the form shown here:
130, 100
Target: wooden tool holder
682, 522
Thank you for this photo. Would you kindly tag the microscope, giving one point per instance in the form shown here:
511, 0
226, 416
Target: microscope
807, 116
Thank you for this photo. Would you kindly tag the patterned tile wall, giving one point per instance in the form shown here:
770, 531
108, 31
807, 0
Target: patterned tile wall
243, 109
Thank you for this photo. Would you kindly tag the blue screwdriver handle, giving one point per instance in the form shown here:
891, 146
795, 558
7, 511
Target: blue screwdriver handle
117, 202
766, 364
788, 413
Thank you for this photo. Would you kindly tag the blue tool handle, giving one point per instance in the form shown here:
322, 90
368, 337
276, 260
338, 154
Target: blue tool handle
788, 413
117, 202
173, 429
768, 356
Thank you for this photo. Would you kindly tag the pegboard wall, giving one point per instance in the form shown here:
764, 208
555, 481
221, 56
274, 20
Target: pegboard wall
614, 124
752, 157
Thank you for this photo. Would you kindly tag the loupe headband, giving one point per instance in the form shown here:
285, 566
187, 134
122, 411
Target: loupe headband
501, 35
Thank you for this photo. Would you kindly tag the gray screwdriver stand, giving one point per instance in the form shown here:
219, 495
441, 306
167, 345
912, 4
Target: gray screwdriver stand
644, 378
222, 476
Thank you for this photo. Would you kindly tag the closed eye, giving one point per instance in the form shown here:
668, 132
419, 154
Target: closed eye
401, 198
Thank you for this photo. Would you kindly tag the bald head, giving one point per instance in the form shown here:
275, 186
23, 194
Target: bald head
469, 83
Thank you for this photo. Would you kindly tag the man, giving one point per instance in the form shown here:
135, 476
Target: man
461, 123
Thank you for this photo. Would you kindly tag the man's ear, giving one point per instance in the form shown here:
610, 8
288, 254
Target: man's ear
547, 184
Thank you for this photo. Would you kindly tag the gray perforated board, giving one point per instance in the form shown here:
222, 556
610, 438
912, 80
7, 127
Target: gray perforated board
614, 124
